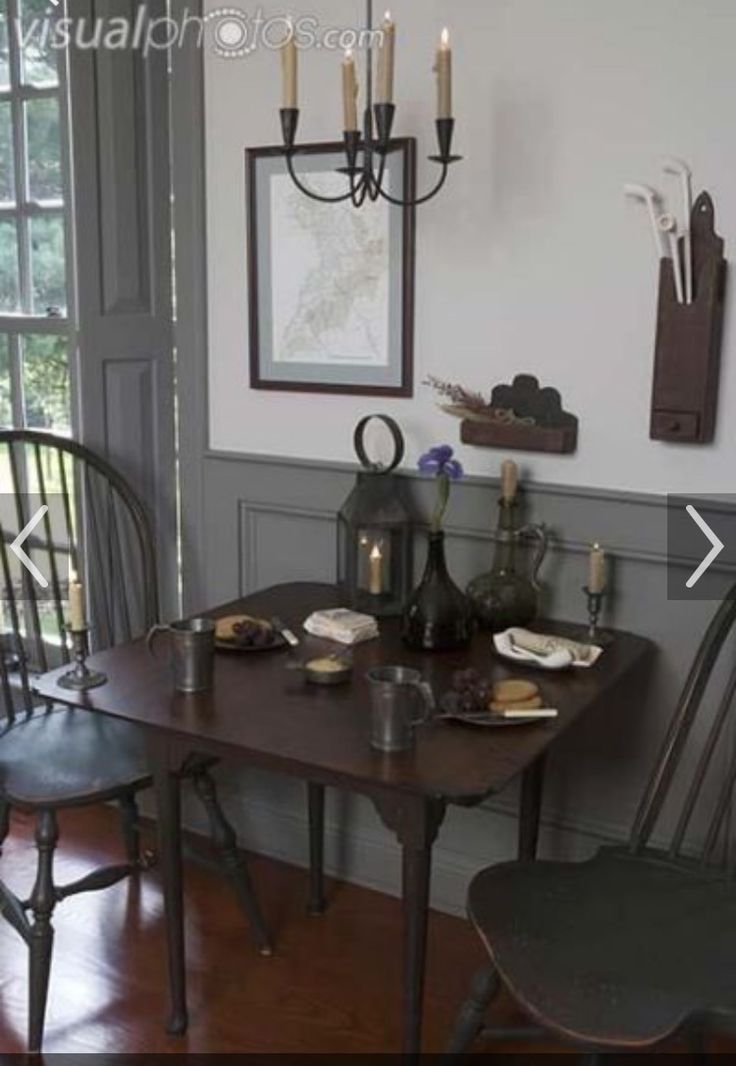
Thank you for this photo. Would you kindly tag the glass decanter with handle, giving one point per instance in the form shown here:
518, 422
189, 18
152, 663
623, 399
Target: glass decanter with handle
508, 594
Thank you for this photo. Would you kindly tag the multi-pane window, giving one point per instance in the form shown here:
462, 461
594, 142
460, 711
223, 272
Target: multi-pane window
34, 325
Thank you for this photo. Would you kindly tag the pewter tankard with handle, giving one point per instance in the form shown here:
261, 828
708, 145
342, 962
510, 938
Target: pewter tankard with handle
395, 692
192, 652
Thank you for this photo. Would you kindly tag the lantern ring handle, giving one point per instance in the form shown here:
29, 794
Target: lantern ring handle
359, 444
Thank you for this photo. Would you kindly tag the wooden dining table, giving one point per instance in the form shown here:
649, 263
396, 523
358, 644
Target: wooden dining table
265, 714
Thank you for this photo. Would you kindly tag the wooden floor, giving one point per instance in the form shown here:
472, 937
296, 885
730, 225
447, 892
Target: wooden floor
333, 984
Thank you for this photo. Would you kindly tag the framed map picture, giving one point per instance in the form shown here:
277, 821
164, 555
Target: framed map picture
331, 286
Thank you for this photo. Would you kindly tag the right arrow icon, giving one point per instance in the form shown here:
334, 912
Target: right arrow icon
715, 551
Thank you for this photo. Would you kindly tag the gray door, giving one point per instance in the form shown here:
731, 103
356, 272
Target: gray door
121, 186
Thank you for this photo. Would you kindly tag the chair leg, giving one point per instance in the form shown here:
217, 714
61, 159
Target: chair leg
470, 1019
4, 822
223, 836
131, 825
42, 901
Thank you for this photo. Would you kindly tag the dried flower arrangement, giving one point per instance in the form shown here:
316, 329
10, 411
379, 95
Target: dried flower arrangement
520, 415
464, 403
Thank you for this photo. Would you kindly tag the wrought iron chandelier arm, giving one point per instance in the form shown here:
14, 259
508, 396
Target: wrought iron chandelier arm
309, 192
360, 191
418, 201
374, 181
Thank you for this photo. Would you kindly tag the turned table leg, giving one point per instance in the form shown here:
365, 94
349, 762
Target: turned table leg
530, 809
316, 803
415, 820
168, 809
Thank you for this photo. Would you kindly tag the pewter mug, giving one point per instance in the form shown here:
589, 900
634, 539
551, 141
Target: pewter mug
192, 652
395, 691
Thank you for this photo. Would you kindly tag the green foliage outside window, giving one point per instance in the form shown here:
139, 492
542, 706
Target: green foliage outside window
46, 382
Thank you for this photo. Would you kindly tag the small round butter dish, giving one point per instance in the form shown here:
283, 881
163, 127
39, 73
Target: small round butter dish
328, 670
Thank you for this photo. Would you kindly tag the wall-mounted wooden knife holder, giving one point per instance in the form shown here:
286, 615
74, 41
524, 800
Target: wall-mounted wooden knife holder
688, 350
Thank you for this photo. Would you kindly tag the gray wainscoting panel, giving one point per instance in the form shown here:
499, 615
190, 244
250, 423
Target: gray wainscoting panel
282, 543
271, 519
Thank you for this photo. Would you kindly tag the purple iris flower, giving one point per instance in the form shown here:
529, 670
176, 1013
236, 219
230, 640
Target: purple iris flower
439, 460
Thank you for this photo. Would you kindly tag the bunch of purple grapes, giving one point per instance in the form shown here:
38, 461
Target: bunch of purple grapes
252, 634
473, 691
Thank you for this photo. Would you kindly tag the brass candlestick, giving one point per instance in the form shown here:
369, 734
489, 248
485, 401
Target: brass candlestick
80, 677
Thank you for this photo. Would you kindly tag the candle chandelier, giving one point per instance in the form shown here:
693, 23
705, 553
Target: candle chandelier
366, 150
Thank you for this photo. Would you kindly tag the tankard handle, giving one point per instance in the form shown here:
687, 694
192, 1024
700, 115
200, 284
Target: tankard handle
539, 532
153, 632
427, 695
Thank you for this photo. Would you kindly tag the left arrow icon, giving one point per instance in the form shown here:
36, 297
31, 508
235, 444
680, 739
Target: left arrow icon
15, 547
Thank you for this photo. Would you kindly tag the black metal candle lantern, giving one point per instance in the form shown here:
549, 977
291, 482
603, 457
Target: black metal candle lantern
374, 532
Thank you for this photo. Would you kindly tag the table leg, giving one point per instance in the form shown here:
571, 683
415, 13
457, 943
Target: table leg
530, 809
416, 871
316, 800
415, 821
168, 808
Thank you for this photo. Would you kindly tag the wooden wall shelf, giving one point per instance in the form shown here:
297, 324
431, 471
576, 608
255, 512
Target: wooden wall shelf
522, 438
525, 417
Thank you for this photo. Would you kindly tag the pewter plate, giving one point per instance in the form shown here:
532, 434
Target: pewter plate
479, 719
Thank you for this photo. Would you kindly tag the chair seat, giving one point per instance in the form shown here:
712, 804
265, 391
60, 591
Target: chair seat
69, 758
617, 951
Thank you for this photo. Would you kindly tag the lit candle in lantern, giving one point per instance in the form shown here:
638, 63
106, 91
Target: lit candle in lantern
509, 479
443, 68
385, 80
375, 571
77, 620
596, 569
289, 67
349, 92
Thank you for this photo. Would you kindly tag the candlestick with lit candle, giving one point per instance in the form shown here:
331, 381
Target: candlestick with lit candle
385, 79
443, 67
375, 573
596, 569
289, 67
349, 92
77, 620
509, 479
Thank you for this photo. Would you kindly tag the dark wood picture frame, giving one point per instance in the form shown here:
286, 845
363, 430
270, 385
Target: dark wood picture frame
405, 360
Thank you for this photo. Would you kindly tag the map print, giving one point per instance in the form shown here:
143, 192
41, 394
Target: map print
330, 276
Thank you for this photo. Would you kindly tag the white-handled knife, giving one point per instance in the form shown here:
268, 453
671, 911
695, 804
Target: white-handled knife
285, 632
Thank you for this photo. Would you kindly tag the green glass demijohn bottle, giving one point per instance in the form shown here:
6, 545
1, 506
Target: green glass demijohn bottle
505, 596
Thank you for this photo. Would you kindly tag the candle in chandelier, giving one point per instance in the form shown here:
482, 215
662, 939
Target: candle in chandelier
289, 67
509, 479
596, 569
349, 92
385, 80
443, 67
77, 620
375, 571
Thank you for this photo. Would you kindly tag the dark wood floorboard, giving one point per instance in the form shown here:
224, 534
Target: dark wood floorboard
333, 984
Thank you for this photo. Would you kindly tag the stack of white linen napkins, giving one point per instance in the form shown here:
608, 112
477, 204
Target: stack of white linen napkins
342, 625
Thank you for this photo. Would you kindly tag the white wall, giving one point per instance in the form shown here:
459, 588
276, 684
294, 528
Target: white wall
531, 260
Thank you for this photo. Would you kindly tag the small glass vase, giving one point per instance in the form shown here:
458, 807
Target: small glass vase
438, 616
